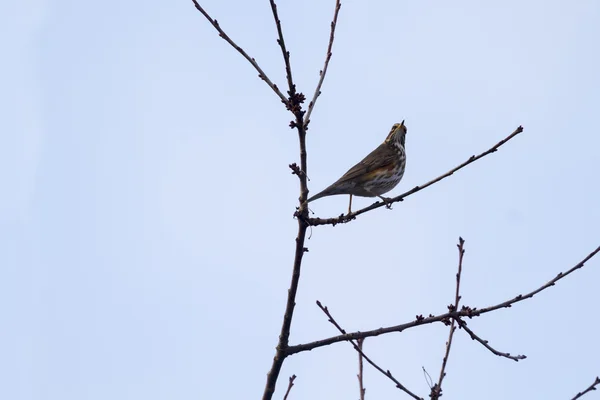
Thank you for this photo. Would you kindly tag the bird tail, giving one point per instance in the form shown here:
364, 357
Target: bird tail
317, 196
327, 192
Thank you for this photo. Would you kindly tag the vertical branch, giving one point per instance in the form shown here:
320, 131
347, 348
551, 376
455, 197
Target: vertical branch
280, 353
361, 387
436, 390
294, 104
302, 216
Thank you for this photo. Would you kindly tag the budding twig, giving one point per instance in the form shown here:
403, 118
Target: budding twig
290, 385
589, 389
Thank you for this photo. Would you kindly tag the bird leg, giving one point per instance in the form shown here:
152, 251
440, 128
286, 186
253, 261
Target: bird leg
350, 206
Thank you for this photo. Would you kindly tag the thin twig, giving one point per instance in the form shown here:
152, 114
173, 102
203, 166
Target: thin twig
387, 373
428, 378
349, 217
361, 386
290, 385
261, 74
436, 390
286, 54
463, 325
592, 387
420, 320
322, 73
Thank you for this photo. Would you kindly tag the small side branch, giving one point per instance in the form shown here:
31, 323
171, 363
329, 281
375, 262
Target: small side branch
290, 385
592, 387
463, 325
361, 386
436, 390
284, 51
349, 217
387, 373
322, 73
261, 74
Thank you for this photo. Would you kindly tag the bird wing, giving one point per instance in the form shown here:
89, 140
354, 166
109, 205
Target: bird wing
384, 156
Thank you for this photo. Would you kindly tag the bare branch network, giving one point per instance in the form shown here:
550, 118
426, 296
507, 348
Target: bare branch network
454, 317
464, 312
358, 348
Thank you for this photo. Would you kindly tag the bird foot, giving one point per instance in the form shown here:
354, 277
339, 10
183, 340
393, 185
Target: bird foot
387, 201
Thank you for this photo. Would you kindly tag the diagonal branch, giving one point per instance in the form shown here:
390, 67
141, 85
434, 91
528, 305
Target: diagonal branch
463, 325
436, 390
349, 217
589, 389
286, 54
261, 74
362, 354
290, 385
420, 320
322, 73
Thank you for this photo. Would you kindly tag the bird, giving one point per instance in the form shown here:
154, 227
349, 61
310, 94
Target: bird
376, 174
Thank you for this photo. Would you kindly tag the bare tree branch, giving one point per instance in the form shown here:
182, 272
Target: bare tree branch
294, 104
284, 51
436, 390
290, 385
420, 320
349, 217
282, 345
592, 387
261, 74
322, 73
302, 119
387, 373
361, 386
463, 325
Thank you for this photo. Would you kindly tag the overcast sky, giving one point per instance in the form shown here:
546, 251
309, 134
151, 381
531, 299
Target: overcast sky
146, 201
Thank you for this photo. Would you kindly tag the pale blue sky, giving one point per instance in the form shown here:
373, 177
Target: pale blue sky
146, 210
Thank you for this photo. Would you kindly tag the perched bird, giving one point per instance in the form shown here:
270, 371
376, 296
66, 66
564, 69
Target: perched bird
377, 173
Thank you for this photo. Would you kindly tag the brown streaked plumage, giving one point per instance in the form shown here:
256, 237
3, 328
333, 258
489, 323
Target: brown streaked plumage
377, 173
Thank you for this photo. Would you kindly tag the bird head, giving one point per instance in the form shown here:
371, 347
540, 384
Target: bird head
397, 135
